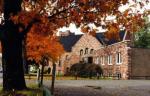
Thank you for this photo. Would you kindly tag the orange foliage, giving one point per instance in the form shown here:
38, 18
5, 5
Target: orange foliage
113, 30
85, 29
59, 13
39, 46
46, 16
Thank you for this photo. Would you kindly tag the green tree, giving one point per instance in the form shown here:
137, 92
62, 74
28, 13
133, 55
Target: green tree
142, 38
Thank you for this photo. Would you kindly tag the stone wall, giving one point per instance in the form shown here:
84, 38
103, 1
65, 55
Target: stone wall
134, 62
113, 69
140, 63
75, 56
86, 41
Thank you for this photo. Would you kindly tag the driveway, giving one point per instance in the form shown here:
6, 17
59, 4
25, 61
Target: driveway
101, 87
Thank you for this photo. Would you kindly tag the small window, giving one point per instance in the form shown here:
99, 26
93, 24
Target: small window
97, 60
118, 58
109, 60
102, 61
91, 51
81, 52
67, 57
59, 63
86, 50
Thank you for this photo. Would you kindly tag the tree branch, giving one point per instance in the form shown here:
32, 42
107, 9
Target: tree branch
27, 29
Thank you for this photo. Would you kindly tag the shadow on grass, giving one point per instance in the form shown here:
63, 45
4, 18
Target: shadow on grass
31, 91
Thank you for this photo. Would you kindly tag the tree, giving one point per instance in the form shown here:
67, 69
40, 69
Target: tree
44, 50
142, 37
44, 47
45, 16
12, 49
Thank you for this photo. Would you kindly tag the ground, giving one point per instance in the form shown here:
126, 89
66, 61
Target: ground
101, 87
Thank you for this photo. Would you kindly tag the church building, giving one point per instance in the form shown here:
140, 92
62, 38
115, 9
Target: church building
117, 58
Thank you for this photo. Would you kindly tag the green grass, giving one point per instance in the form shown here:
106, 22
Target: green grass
32, 90
48, 77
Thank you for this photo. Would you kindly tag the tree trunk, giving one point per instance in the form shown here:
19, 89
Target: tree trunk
24, 54
42, 73
13, 73
53, 78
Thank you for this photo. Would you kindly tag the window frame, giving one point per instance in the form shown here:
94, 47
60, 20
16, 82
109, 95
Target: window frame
91, 51
102, 60
97, 60
86, 50
118, 58
109, 60
81, 52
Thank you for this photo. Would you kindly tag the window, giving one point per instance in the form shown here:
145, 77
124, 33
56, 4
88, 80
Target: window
97, 60
91, 51
86, 50
59, 63
86, 60
90, 59
118, 58
67, 57
102, 60
109, 60
81, 52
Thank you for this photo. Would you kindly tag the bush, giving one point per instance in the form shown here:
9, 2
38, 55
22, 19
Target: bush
85, 70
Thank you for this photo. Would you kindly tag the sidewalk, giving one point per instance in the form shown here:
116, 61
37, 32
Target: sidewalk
101, 87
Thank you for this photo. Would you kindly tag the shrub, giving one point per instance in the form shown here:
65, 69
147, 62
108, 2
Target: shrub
85, 70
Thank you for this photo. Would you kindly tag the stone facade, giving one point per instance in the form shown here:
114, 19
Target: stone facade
139, 63
118, 60
113, 59
83, 49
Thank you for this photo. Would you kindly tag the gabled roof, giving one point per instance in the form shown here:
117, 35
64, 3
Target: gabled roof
102, 39
69, 41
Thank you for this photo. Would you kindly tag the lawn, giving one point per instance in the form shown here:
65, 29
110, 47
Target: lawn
49, 77
32, 90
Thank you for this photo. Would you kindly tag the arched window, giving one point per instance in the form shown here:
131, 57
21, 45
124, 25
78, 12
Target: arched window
59, 63
86, 50
91, 51
67, 57
118, 58
109, 59
81, 52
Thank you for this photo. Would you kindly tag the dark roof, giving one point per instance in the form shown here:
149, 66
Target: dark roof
69, 41
101, 38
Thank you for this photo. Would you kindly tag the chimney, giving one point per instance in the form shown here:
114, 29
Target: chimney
67, 33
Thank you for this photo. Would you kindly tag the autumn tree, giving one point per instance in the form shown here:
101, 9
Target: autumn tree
45, 16
43, 46
42, 49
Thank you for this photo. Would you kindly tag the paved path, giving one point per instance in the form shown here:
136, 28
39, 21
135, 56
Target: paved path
101, 87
